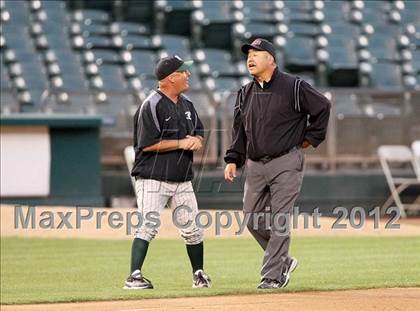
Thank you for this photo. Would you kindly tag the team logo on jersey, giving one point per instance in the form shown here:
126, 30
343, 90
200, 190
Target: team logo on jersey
188, 115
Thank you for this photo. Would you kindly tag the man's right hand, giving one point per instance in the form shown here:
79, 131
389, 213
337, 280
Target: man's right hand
190, 143
230, 172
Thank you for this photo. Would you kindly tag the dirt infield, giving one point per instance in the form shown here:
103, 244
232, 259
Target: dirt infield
406, 299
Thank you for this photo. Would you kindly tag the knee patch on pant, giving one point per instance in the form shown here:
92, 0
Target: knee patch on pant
145, 233
193, 236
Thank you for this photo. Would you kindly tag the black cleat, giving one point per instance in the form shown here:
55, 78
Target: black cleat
201, 280
137, 281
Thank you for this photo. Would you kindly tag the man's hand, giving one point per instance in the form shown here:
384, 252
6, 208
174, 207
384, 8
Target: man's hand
305, 144
193, 143
230, 172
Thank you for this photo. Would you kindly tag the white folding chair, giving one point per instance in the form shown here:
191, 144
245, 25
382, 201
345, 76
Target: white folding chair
129, 156
415, 146
397, 154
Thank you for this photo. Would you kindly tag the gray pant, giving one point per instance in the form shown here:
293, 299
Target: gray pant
271, 189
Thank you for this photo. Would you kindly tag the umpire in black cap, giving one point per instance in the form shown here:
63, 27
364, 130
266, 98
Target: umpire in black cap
276, 116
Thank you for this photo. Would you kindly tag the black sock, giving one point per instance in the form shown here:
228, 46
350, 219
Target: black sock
195, 252
138, 253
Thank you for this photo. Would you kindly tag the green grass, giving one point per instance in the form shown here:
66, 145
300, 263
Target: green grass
50, 270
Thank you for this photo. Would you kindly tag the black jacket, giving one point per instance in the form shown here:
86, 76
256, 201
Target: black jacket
158, 118
272, 119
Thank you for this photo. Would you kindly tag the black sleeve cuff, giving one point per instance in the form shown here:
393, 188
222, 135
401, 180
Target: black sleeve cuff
232, 157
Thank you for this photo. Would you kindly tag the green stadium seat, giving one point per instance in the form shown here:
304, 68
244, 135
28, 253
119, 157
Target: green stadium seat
113, 77
386, 76
216, 63
174, 16
342, 66
174, 44
304, 29
129, 28
299, 54
91, 16
131, 42
264, 30
139, 11
144, 62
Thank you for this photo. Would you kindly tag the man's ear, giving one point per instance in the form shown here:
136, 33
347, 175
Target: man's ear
272, 61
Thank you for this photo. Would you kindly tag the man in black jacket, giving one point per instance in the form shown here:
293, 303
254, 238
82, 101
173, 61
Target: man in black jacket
276, 116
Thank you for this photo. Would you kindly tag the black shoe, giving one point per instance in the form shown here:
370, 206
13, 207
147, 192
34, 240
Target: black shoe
269, 284
285, 276
137, 281
201, 280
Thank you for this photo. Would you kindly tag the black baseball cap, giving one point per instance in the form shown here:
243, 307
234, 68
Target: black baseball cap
170, 64
261, 45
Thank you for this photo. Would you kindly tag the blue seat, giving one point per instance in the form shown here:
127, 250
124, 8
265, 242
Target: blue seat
104, 56
304, 29
174, 44
300, 54
4, 78
144, 62
342, 66
262, 30
174, 17
16, 38
113, 77
129, 28
95, 16
383, 48
217, 62
138, 42
222, 84
89, 29
386, 76
98, 42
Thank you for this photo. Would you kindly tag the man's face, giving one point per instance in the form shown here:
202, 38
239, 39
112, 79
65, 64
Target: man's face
258, 61
180, 80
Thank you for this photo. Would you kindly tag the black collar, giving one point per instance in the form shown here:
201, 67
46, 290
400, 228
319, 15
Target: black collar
267, 84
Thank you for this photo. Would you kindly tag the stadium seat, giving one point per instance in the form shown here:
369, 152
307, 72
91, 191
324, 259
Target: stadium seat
144, 63
8, 103
91, 16
98, 42
129, 28
342, 66
222, 84
113, 77
386, 76
174, 17
86, 30
304, 29
131, 42
299, 54
263, 30
139, 11
174, 45
383, 48
216, 62
105, 56
213, 24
